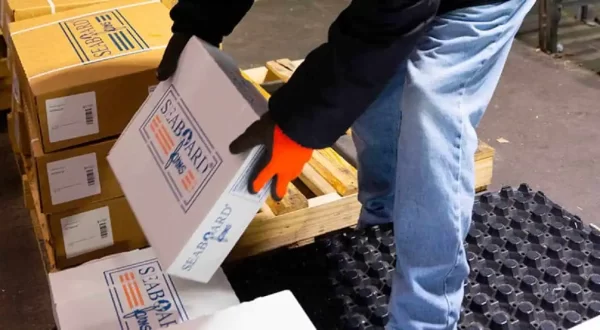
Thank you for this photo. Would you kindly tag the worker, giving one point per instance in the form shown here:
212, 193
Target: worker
412, 78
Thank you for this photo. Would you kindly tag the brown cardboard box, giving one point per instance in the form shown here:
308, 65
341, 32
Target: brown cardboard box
71, 178
85, 72
94, 231
89, 232
18, 10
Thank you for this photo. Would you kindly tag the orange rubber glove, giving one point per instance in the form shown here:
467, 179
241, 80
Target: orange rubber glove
282, 161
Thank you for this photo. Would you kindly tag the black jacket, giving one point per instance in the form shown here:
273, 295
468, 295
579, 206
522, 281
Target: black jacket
339, 79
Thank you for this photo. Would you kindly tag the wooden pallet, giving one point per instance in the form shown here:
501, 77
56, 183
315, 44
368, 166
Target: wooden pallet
324, 198
39, 223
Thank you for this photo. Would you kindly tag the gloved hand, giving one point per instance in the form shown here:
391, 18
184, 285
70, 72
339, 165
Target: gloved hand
168, 64
282, 161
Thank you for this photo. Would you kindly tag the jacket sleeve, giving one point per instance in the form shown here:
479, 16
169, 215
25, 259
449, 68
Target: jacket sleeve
209, 20
338, 80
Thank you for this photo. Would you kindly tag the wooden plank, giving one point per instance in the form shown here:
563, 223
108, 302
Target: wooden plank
28, 200
282, 68
292, 201
484, 150
336, 170
266, 211
40, 223
269, 234
320, 200
260, 75
302, 243
316, 183
261, 90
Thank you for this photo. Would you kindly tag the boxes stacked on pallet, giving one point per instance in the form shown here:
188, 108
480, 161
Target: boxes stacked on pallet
79, 77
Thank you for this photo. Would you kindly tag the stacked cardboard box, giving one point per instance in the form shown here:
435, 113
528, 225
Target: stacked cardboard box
131, 290
79, 77
18, 10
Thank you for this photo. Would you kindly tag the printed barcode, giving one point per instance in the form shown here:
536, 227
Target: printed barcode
89, 116
103, 230
91, 178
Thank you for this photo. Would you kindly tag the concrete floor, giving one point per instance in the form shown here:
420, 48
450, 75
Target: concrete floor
549, 112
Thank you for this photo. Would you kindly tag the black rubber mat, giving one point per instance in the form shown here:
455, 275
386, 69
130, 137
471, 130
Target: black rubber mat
533, 264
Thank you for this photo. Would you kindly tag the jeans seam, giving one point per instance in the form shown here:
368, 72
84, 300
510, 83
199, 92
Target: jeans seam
457, 182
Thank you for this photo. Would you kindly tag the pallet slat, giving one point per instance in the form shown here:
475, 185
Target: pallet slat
283, 68
315, 182
336, 170
40, 227
294, 200
268, 234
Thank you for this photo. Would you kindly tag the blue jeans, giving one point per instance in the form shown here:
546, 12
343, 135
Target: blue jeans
416, 147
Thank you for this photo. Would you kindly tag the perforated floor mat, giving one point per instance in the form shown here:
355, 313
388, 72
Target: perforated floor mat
534, 265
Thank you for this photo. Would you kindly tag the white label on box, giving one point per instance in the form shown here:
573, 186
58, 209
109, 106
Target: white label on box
15, 87
73, 178
151, 89
87, 232
72, 116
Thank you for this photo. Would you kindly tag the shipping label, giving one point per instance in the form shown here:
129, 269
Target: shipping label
102, 36
144, 297
87, 231
73, 178
72, 116
182, 151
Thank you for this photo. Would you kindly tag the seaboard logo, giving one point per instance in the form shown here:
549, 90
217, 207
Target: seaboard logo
143, 297
102, 36
184, 154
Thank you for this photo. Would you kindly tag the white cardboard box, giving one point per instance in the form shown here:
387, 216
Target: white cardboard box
275, 312
130, 291
188, 192
591, 324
